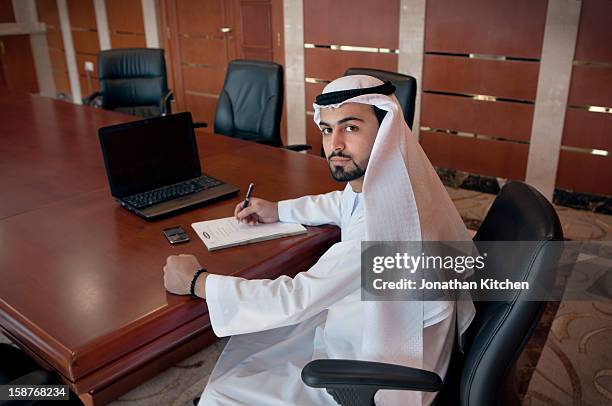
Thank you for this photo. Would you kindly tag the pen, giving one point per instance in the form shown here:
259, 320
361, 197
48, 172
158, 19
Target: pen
248, 196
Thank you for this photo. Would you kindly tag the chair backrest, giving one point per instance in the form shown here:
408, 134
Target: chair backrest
251, 102
133, 80
500, 329
405, 88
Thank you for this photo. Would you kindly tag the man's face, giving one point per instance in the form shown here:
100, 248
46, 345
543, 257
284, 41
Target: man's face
348, 136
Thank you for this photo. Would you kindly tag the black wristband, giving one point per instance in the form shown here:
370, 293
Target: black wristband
193, 282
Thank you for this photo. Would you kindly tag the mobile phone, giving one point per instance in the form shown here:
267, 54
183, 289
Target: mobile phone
176, 235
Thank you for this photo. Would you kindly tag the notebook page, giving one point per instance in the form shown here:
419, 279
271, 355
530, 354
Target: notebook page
229, 232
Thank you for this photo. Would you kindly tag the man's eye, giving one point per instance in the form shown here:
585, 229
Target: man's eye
351, 128
326, 131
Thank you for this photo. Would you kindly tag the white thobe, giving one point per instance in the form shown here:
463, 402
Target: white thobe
278, 326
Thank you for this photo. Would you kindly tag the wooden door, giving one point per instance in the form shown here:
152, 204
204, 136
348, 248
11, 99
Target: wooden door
202, 36
259, 30
260, 35
199, 43
126, 24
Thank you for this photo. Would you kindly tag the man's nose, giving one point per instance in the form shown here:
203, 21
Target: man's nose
337, 141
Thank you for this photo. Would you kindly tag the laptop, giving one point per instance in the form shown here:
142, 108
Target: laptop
153, 167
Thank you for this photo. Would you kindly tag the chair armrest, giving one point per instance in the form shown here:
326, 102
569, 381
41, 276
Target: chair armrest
199, 124
89, 100
297, 147
341, 373
164, 103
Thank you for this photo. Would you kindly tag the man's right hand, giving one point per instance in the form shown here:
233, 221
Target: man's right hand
258, 211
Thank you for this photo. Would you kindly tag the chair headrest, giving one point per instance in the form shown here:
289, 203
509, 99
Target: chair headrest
131, 62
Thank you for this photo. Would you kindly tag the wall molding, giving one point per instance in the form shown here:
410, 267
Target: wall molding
26, 19
73, 73
151, 23
295, 91
560, 34
102, 24
411, 49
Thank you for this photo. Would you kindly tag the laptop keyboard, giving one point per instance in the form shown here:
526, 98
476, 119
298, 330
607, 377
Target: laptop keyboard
170, 192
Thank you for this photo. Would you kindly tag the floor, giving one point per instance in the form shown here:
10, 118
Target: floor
575, 367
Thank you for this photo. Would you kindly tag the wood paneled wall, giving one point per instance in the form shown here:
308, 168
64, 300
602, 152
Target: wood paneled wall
125, 23
588, 119
330, 25
17, 71
480, 75
47, 13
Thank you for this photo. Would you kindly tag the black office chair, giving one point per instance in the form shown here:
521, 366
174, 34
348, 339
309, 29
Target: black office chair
251, 103
132, 81
498, 332
17, 369
405, 88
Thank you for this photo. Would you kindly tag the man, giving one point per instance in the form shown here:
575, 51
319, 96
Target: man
277, 326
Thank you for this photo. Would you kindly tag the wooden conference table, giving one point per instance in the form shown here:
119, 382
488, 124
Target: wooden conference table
81, 282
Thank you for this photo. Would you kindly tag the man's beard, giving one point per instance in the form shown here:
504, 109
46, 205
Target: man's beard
338, 172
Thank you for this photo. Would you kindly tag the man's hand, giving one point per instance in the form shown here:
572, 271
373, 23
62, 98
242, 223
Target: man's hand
178, 273
258, 211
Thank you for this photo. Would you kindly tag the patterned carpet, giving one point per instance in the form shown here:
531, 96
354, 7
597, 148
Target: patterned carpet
576, 364
176, 386
575, 367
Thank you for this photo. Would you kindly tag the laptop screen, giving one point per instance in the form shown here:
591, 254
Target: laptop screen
147, 154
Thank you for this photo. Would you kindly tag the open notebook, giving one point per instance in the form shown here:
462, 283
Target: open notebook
228, 232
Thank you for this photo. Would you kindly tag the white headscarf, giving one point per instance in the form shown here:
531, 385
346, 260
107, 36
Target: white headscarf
404, 200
